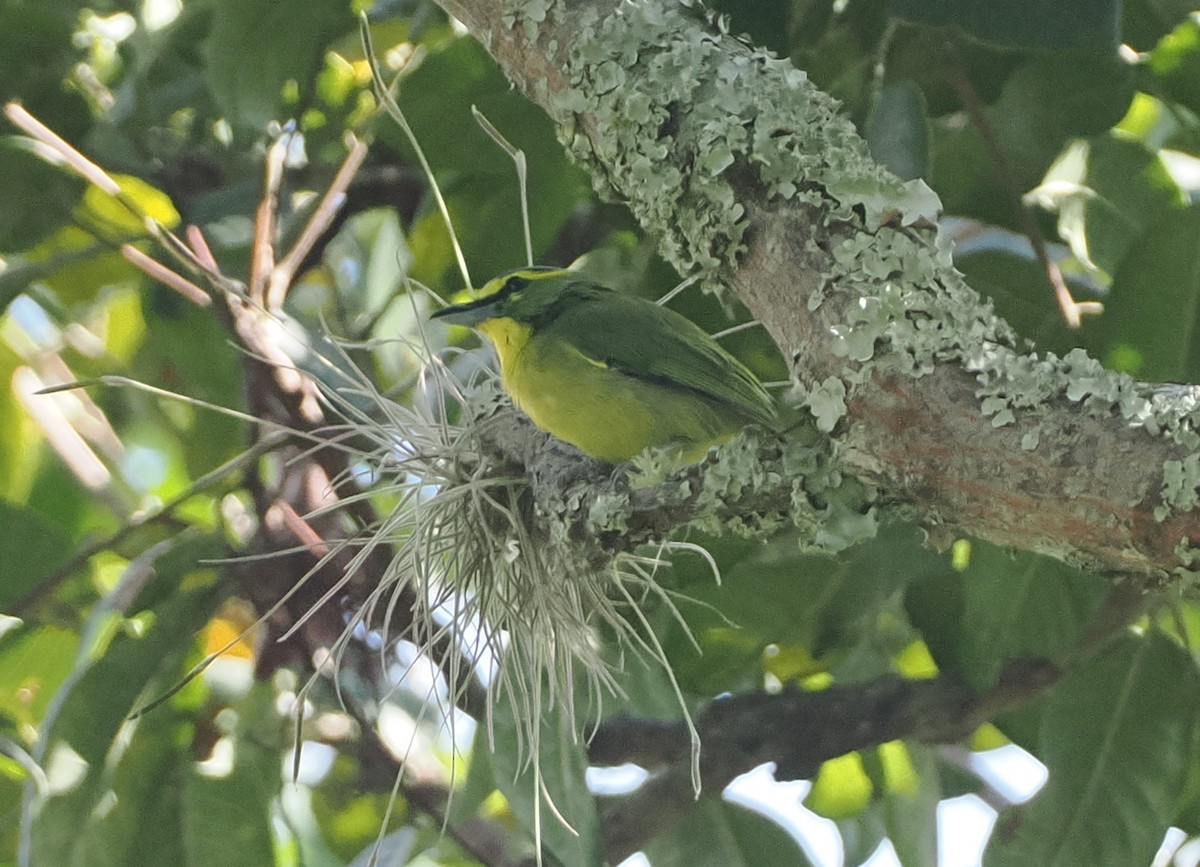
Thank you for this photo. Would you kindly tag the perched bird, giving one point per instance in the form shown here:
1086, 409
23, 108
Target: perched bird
611, 373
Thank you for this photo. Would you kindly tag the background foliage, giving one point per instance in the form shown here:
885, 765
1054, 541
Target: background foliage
1063, 133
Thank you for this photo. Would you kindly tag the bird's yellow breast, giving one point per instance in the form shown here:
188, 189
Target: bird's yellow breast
599, 410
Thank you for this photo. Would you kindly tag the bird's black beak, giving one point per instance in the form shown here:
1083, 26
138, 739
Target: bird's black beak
469, 314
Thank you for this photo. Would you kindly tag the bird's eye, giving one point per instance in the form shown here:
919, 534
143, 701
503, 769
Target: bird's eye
514, 284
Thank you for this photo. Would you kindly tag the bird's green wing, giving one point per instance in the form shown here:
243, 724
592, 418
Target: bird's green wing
644, 340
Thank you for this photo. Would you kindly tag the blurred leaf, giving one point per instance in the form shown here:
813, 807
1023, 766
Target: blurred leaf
37, 197
1004, 606
862, 834
348, 817
227, 816
1175, 62
1030, 24
1019, 289
765, 22
19, 437
79, 260
1147, 21
1106, 191
716, 831
373, 259
480, 782
76, 266
1052, 99
34, 661
897, 132
30, 549
114, 213
842, 788
1151, 315
96, 701
478, 178
186, 351
256, 47
142, 823
1117, 738
823, 604
910, 793
1044, 103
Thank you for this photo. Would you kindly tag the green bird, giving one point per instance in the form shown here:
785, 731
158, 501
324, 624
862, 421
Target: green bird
611, 373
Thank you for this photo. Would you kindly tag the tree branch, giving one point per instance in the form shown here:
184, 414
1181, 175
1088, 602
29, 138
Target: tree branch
794, 729
748, 175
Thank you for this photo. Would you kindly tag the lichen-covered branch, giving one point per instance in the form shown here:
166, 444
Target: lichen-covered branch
750, 177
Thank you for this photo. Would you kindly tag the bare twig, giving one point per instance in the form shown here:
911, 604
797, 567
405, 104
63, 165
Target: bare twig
56, 150
157, 271
283, 274
262, 259
1072, 310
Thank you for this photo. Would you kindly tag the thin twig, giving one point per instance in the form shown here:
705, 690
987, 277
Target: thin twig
1072, 310
301, 529
56, 147
154, 269
285, 272
262, 256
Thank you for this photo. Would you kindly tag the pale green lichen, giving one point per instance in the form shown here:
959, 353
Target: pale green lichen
1181, 488
1188, 570
677, 115
827, 403
529, 14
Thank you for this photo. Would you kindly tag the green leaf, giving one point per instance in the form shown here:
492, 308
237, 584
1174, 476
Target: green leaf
1044, 103
188, 348
30, 549
1106, 191
1151, 323
34, 661
842, 788
257, 47
1012, 605
1017, 285
227, 817
143, 824
862, 835
1031, 24
910, 792
1175, 62
1051, 99
477, 177
716, 831
80, 735
897, 133
1117, 738
36, 196
775, 593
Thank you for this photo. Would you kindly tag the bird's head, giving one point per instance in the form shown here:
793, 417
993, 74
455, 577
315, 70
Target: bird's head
525, 296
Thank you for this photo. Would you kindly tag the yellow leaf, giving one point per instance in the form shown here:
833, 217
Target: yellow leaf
988, 737
915, 661
790, 662
842, 788
899, 773
111, 212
